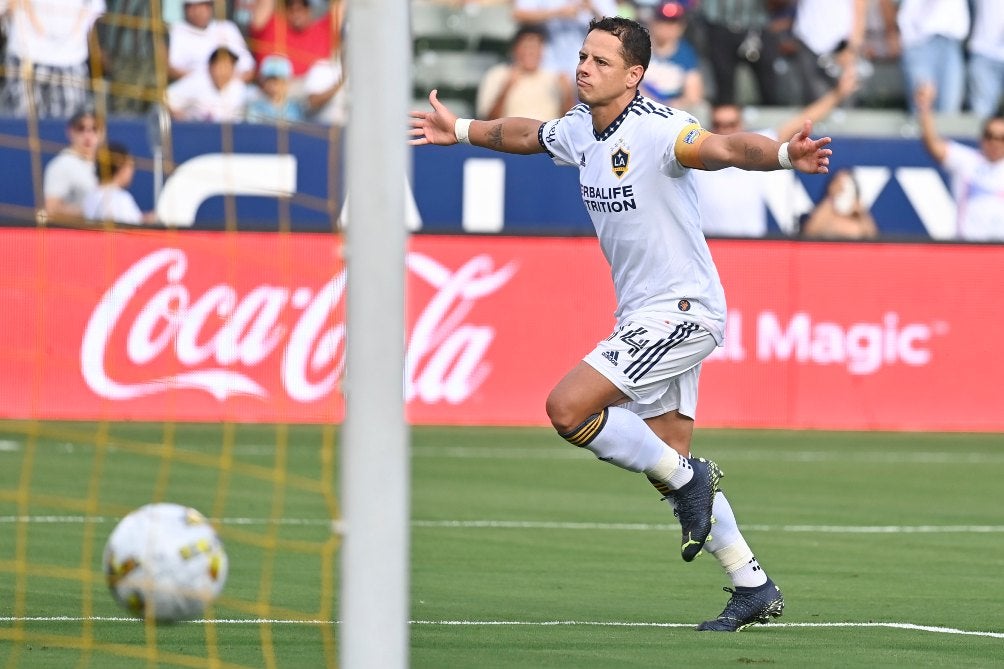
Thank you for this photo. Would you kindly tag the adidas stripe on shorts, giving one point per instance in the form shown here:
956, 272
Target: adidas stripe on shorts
656, 362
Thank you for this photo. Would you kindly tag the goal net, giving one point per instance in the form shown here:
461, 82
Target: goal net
194, 357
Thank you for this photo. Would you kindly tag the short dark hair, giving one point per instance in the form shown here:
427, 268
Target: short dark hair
79, 116
636, 44
525, 29
220, 52
111, 158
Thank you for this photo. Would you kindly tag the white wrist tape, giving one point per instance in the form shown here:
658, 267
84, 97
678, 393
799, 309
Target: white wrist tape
462, 129
783, 158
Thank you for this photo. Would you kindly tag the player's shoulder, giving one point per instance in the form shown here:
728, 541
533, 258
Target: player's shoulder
658, 120
655, 112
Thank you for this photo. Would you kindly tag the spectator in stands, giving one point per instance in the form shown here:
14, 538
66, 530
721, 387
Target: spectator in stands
882, 31
326, 92
291, 30
744, 32
522, 87
192, 40
830, 36
215, 95
111, 200
673, 76
566, 22
932, 34
69, 176
47, 56
733, 202
977, 175
274, 104
986, 58
841, 214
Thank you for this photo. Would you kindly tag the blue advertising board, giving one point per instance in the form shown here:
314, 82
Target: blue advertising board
455, 189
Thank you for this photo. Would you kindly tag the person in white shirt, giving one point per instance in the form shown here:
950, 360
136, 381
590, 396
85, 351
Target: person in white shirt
216, 94
111, 201
47, 40
326, 93
986, 58
191, 42
743, 211
69, 176
633, 399
977, 175
932, 33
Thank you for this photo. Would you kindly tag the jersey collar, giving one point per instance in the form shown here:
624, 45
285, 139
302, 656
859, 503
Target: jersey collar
612, 128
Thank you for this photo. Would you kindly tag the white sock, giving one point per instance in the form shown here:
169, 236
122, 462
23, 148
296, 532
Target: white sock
729, 547
622, 438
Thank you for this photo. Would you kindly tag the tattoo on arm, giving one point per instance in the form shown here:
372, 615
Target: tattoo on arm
754, 154
495, 135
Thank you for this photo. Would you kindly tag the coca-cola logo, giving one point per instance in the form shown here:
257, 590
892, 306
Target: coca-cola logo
219, 340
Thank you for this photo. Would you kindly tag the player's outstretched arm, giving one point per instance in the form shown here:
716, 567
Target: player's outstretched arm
751, 151
442, 127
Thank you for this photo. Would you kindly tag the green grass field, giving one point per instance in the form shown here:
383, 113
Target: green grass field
525, 551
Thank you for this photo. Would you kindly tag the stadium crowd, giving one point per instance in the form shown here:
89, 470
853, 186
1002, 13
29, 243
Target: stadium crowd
279, 61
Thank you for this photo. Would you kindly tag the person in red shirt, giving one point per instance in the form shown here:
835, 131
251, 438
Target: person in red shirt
291, 30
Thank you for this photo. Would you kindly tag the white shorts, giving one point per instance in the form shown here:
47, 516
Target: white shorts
656, 362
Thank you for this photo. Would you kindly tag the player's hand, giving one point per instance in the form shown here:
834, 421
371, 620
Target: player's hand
435, 127
807, 154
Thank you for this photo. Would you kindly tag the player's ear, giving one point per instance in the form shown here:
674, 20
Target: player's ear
634, 75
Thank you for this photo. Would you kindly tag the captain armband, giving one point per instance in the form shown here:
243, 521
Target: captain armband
688, 145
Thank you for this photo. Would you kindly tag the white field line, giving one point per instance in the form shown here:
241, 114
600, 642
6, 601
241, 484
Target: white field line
508, 623
549, 525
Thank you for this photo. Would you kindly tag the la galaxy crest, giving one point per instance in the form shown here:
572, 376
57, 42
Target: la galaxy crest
619, 161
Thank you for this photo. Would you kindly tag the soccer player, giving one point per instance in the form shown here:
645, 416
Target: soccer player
632, 400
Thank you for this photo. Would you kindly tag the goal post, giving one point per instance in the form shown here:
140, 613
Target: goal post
375, 469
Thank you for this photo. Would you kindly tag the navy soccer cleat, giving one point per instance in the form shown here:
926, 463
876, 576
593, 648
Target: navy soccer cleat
746, 607
692, 505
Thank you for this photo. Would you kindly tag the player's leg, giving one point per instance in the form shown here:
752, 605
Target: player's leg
582, 408
755, 597
637, 362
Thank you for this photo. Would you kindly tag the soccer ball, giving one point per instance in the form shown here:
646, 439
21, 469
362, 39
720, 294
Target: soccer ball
164, 562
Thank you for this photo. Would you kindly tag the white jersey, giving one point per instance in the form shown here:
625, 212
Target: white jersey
643, 204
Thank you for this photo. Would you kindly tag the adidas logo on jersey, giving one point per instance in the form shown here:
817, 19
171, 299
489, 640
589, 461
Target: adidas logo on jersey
582, 160
611, 356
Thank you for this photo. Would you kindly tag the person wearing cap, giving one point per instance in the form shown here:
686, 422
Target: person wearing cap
274, 104
191, 41
673, 77
69, 176
522, 87
215, 95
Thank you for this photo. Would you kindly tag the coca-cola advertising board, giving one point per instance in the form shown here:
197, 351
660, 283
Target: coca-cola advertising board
249, 327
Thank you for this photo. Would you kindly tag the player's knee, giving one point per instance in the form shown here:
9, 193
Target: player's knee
562, 414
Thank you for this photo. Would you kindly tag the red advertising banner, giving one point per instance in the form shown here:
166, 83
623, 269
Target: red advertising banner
211, 326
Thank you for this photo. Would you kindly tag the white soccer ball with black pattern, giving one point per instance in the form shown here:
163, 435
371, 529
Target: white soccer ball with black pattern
164, 562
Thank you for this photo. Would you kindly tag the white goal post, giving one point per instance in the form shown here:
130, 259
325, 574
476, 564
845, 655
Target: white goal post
375, 467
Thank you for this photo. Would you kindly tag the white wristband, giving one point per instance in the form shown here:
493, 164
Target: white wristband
783, 158
462, 129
